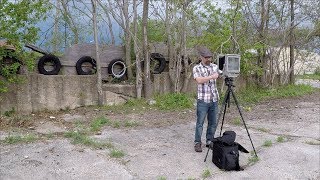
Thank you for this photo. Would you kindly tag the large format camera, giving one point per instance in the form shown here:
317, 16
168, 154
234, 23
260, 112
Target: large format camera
229, 64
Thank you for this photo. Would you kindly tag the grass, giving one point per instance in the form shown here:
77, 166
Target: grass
280, 139
263, 129
20, 139
253, 94
161, 178
267, 143
253, 158
132, 105
206, 173
313, 142
173, 101
131, 123
315, 76
82, 138
10, 112
98, 123
116, 124
115, 153
236, 121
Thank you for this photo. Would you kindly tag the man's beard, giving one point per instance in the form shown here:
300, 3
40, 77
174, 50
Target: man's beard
207, 62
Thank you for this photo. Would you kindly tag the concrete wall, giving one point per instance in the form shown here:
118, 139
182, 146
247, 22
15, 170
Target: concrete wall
43, 92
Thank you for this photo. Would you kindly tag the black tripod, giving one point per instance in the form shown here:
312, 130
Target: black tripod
226, 101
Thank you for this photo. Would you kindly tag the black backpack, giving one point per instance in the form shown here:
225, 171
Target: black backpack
225, 151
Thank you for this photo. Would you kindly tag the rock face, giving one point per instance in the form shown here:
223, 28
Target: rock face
114, 99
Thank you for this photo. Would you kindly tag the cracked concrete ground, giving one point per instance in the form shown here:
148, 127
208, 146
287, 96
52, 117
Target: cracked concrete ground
166, 152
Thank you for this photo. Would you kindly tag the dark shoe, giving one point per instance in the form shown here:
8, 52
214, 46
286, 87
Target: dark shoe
208, 144
198, 147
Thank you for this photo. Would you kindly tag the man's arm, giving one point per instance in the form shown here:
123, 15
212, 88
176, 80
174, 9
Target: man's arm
201, 80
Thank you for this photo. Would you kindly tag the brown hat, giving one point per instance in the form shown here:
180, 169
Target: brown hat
204, 52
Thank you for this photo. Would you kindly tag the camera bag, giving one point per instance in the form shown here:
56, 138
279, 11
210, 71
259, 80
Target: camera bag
225, 151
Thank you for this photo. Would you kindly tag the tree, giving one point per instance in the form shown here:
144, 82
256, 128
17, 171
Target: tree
147, 79
292, 60
137, 51
95, 31
18, 26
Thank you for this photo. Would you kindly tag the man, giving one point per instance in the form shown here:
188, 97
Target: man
206, 73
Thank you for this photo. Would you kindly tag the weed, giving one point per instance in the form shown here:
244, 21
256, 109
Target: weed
267, 143
206, 173
315, 76
313, 142
247, 108
236, 121
82, 138
136, 105
20, 139
129, 123
173, 101
161, 178
66, 109
115, 153
263, 130
280, 139
116, 124
98, 123
253, 158
10, 112
50, 135
253, 94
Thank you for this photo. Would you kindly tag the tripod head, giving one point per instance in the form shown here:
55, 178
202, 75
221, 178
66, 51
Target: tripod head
229, 81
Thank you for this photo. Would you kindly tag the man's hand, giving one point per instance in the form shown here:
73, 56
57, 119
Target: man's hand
202, 80
214, 76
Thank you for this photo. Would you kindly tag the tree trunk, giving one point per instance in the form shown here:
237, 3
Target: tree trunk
137, 52
99, 80
186, 75
147, 79
127, 38
292, 60
169, 43
262, 39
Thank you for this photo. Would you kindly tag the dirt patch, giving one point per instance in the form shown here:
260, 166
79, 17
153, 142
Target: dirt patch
160, 144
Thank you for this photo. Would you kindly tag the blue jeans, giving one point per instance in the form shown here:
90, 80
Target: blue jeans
210, 110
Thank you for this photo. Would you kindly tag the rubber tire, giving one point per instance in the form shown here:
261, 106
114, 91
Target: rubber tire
49, 58
160, 60
117, 62
86, 59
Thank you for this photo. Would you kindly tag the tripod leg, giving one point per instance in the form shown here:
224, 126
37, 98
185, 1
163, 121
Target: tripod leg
235, 100
207, 154
223, 108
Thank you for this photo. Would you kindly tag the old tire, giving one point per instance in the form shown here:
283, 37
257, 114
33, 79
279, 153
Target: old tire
117, 68
49, 64
86, 65
159, 62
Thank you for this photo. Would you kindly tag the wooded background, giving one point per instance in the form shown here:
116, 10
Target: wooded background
261, 31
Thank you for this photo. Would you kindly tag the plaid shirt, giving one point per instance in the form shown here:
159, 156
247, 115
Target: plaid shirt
207, 91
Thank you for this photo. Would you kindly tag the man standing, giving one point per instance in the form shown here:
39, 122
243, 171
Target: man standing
206, 73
